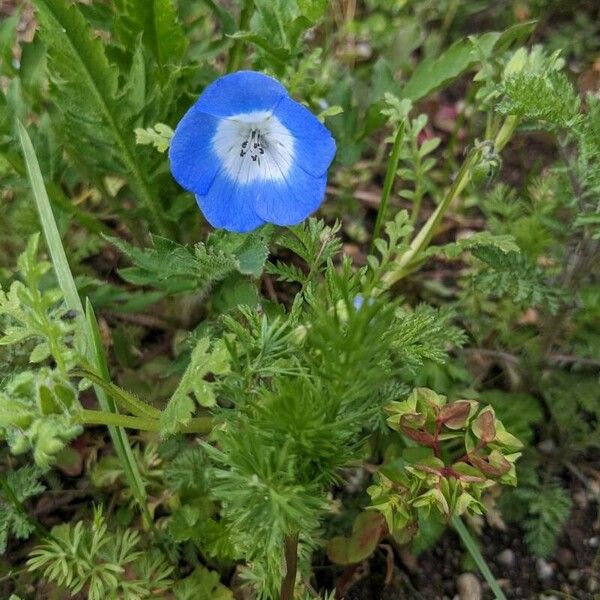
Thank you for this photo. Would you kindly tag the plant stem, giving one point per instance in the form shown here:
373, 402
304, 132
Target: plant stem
388, 183
409, 260
405, 263
473, 549
102, 417
506, 132
290, 551
234, 60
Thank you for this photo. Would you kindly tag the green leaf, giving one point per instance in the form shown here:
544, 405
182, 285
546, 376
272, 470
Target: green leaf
280, 54
175, 268
85, 89
158, 135
24, 483
233, 292
435, 73
202, 584
157, 21
504, 243
313, 10
367, 532
204, 360
549, 507
40, 353
53, 241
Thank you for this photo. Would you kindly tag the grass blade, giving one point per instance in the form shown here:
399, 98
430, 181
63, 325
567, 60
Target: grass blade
86, 320
473, 549
388, 183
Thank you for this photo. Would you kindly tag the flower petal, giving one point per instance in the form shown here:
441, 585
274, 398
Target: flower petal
194, 163
314, 146
240, 93
290, 201
230, 206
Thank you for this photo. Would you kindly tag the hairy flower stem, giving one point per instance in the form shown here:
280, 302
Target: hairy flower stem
100, 417
290, 551
388, 183
409, 260
234, 60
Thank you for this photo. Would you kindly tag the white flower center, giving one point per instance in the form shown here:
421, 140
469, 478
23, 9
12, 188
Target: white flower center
254, 146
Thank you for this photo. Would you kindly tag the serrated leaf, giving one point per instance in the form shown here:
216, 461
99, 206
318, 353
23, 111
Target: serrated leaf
204, 360
85, 89
158, 135
157, 21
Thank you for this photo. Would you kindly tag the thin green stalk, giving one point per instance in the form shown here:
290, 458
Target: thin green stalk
11, 497
404, 264
473, 549
100, 417
125, 400
388, 183
86, 321
200, 425
408, 261
235, 58
418, 192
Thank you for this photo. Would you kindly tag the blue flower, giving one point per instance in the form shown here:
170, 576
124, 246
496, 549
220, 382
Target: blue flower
251, 154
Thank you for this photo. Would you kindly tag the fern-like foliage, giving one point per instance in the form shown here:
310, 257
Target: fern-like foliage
425, 334
104, 563
312, 241
514, 275
24, 483
397, 234
204, 361
174, 268
547, 97
38, 314
548, 508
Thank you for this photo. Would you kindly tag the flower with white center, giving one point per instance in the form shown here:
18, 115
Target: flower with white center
251, 154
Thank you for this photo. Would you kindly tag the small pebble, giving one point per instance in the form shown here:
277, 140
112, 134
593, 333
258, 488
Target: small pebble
506, 557
547, 446
565, 557
580, 498
544, 569
574, 575
469, 587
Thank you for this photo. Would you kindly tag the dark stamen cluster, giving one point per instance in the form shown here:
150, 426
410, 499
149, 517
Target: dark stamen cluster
253, 146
